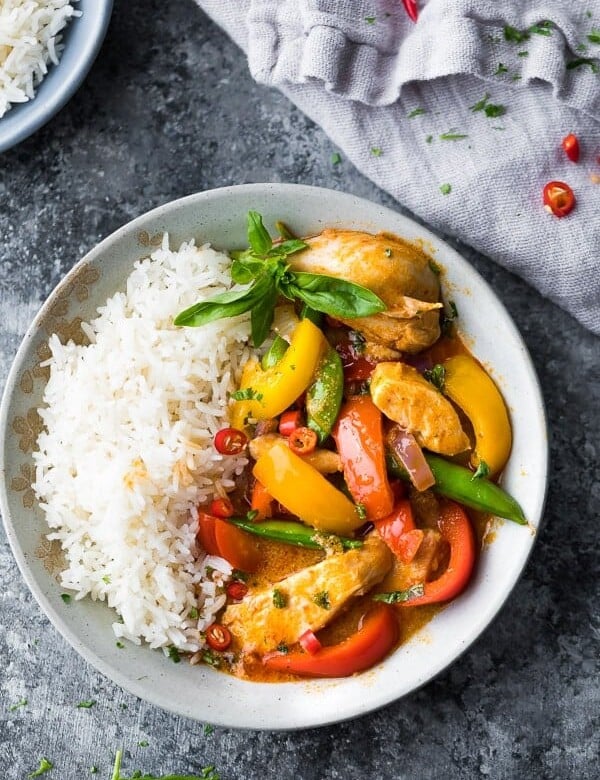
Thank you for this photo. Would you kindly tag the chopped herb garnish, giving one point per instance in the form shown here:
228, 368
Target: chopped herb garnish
212, 659
247, 394
20, 703
483, 470
283, 648
250, 517
583, 61
336, 158
238, 574
387, 252
66, 597
581, 48
398, 596
500, 69
376, 151
361, 511
429, 139
279, 599
516, 77
93, 770
174, 654
120, 645
522, 54
321, 599
451, 136
489, 109
193, 614
106, 579
86, 705
416, 112
543, 28
435, 267
208, 729
437, 376
206, 773
480, 105
513, 35
45, 766
370, 19
143, 743
445, 189
449, 317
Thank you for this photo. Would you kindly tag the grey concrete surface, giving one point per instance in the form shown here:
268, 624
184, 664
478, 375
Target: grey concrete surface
169, 109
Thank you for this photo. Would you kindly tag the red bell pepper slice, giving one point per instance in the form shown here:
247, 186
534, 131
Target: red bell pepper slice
399, 532
456, 529
374, 639
358, 434
218, 537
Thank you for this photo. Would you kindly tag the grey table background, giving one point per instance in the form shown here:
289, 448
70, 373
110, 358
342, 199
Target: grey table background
169, 109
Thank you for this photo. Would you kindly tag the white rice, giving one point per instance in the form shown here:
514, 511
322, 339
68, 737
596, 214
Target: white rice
128, 455
29, 42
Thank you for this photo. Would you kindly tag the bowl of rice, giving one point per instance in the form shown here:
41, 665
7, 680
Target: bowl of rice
46, 50
107, 426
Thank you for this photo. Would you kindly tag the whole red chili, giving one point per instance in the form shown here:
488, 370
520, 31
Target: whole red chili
221, 507
236, 590
302, 441
570, 144
559, 198
230, 441
218, 637
411, 8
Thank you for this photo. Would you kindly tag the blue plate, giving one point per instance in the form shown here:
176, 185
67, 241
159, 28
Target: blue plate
82, 40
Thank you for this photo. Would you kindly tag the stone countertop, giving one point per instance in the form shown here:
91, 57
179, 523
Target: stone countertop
169, 109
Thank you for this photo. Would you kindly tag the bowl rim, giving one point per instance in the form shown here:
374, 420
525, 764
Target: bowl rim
30, 116
494, 603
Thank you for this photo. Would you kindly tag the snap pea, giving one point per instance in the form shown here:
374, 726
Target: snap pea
457, 483
296, 534
274, 354
324, 396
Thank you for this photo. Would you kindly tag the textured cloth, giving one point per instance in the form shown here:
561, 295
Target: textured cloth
387, 91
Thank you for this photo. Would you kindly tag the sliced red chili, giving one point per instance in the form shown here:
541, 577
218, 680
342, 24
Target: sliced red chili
218, 637
412, 9
230, 441
559, 198
303, 441
236, 590
289, 421
570, 144
310, 643
221, 507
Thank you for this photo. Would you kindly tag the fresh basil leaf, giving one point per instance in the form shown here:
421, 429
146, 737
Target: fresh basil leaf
289, 247
335, 297
261, 318
227, 304
258, 236
246, 267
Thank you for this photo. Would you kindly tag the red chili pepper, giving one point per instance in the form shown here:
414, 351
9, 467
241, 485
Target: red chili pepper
570, 144
289, 421
455, 527
411, 8
218, 637
374, 639
230, 441
559, 198
358, 435
310, 643
236, 590
303, 441
221, 507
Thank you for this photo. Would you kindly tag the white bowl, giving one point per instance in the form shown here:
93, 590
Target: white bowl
218, 216
82, 39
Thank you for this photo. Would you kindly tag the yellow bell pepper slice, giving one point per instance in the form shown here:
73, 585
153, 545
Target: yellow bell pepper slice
470, 387
301, 489
278, 387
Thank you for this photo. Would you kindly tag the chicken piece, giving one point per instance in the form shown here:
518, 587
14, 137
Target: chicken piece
398, 272
403, 395
312, 597
427, 564
324, 461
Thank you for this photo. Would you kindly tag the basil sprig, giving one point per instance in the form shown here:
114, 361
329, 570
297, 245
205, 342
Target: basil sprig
265, 269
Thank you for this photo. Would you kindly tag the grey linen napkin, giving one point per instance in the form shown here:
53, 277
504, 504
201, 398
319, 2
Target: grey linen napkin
395, 96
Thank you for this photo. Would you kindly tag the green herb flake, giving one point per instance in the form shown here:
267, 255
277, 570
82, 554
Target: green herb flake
211, 658
279, 599
208, 729
251, 516
416, 112
283, 648
429, 139
143, 743
387, 252
516, 77
45, 766
174, 654
20, 703
588, 14
437, 376
238, 574
93, 770
370, 19
512, 35
86, 705
522, 54
482, 471
493, 111
247, 394
480, 105
500, 69
435, 267
452, 136
376, 151
580, 61
336, 158
66, 597
361, 511
445, 189
120, 645
581, 48
542, 28
398, 596
321, 599
193, 614
106, 579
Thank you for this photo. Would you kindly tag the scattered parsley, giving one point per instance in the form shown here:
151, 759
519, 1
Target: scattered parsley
581, 48
143, 743
483, 470
370, 19
398, 596
321, 599
361, 511
543, 28
20, 703
45, 766
583, 61
86, 705
489, 109
93, 770
212, 659
480, 105
437, 376
279, 599
435, 267
283, 648
513, 35
500, 69
336, 158
429, 139
193, 614
106, 579
174, 654
416, 112
247, 394
387, 252
516, 77
206, 773
449, 317
588, 14
376, 151
208, 729
250, 517
451, 136
66, 597
120, 645
522, 54
123, 706
238, 574
445, 189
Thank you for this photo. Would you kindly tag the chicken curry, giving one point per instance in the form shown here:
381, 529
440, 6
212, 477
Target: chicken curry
374, 440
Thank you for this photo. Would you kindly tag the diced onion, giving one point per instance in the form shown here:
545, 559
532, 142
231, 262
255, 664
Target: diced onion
410, 455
